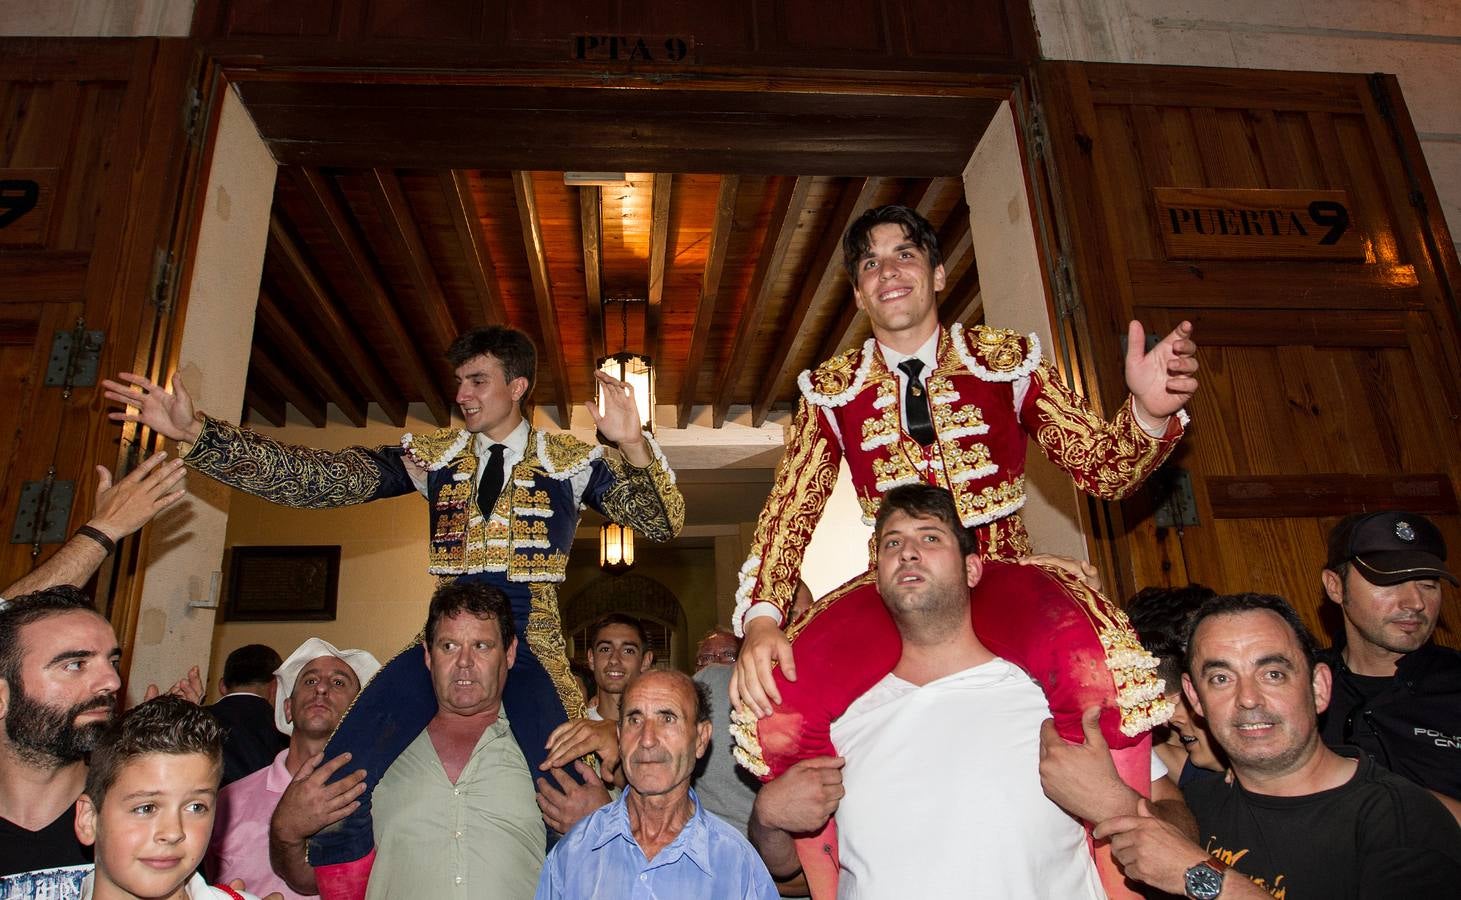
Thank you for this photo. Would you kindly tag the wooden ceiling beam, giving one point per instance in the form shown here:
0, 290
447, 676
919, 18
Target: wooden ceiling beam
262, 363
285, 336
659, 242
396, 213
268, 408
720, 234
590, 222
823, 272
287, 249
790, 199
955, 240
928, 197
550, 348
849, 323
318, 190
962, 300
457, 185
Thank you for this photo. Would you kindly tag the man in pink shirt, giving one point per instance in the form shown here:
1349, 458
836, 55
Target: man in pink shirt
316, 685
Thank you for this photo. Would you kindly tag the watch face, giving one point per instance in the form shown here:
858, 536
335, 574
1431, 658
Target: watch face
1204, 882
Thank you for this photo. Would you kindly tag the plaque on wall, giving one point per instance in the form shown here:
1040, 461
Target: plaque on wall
288, 584
1257, 223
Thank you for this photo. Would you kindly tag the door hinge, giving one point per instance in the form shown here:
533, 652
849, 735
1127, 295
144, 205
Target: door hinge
75, 358
44, 510
164, 270
1176, 505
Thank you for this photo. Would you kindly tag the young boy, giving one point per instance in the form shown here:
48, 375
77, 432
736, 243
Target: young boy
149, 803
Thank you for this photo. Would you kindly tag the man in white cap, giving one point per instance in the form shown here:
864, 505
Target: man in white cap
317, 683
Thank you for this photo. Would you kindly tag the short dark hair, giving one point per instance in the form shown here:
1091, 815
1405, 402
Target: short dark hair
618, 618
1159, 615
510, 347
251, 664
915, 227
27, 608
1231, 604
701, 690
925, 501
165, 724
475, 597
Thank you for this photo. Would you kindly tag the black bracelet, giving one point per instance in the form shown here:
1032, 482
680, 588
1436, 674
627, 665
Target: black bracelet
108, 546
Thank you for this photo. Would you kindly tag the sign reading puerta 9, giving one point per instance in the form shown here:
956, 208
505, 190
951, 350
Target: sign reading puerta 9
1255, 223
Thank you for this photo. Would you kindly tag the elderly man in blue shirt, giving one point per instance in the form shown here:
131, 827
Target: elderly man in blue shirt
656, 840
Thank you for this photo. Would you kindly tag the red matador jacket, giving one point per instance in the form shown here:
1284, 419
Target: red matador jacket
989, 392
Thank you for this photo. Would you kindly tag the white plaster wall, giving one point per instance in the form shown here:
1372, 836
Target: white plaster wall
1419, 41
96, 18
186, 544
1011, 282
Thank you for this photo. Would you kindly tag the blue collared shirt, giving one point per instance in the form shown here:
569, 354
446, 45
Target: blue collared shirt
599, 858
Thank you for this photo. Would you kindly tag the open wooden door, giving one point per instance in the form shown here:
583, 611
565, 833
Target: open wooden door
94, 138
1289, 215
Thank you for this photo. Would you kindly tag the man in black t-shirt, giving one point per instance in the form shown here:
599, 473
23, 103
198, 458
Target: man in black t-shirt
1299, 820
1397, 695
58, 694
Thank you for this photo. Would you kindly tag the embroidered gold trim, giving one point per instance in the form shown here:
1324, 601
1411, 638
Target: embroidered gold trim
544, 634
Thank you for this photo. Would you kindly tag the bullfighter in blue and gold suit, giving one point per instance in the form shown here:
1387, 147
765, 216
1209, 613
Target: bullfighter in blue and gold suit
504, 504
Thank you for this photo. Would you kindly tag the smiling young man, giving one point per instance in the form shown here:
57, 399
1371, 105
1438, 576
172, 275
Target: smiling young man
956, 408
504, 502
618, 654
58, 695
1397, 694
1299, 819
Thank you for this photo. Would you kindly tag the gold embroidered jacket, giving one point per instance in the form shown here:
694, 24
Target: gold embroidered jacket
526, 536
988, 393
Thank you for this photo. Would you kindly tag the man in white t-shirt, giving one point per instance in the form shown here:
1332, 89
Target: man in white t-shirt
937, 792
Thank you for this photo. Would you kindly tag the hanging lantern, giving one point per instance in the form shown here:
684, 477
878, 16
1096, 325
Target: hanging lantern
616, 547
637, 372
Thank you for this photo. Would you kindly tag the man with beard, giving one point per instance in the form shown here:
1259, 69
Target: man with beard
1299, 819
58, 694
1397, 694
908, 826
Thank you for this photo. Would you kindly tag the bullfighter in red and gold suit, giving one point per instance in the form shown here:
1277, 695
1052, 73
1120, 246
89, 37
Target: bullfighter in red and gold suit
951, 407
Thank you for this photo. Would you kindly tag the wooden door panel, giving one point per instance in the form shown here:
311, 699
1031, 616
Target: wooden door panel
104, 118
1326, 385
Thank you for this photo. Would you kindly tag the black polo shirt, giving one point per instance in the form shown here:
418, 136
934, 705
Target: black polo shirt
1410, 723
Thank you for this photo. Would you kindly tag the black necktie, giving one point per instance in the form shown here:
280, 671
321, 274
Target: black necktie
491, 484
915, 402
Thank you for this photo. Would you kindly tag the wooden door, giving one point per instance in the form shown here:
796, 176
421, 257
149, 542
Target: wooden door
1329, 373
94, 132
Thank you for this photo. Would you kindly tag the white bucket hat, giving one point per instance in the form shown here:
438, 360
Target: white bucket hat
362, 662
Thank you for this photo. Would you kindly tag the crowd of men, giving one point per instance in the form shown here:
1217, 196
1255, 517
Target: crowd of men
913, 734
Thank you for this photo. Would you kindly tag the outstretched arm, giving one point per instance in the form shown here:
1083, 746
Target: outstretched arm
121, 509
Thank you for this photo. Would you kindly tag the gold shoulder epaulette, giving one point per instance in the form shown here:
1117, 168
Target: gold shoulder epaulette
837, 380
564, 455
997, 354
437, 449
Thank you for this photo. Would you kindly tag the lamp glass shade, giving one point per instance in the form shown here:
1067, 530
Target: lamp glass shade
638, 372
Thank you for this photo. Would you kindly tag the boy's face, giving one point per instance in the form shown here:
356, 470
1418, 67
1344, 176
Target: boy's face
153, 825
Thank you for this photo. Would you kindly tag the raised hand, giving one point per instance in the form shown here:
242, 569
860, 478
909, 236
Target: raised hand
1163, 380
619, 422
752, 684
127, 505
168, 414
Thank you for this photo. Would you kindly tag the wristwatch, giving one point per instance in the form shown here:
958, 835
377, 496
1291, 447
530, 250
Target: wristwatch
1204, 881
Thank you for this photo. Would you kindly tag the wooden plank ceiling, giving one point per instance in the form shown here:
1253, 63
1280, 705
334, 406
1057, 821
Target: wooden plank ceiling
369, 273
